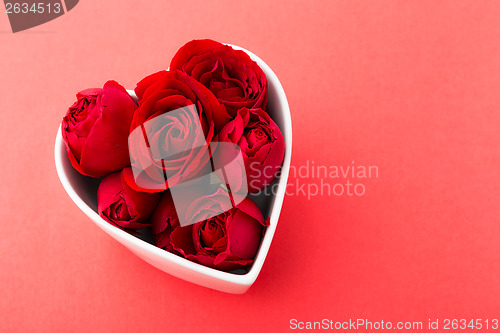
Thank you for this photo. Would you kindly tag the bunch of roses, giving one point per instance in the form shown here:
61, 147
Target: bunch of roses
211, 94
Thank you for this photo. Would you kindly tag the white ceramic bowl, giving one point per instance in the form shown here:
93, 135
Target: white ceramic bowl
82, 190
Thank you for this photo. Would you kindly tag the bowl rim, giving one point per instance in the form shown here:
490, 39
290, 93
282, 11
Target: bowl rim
246, 279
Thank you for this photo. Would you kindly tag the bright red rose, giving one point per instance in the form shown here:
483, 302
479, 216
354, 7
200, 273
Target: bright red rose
227, 241
95, 130
120, 205
171, 131
230, 74
261, 143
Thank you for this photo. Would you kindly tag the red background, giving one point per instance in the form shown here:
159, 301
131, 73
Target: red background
409, 86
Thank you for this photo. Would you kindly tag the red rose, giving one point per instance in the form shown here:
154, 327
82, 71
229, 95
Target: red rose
171, 131
118, 204
230, 74
226, 241
261, 143
95, 130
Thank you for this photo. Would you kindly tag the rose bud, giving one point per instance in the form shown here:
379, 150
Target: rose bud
163, 222
171, 131
95, 130
261, 143
120, 205
230, 74
226, 241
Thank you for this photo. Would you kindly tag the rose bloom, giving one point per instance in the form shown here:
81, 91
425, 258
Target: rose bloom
120, 205
261, 143
227, 241
171, 131
230, 74
95, 130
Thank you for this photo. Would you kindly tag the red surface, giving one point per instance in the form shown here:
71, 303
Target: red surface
410, 87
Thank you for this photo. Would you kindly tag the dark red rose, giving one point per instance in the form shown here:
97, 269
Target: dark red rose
261, 143
95, 130
120, 205
225, 241
230, 74
171, 131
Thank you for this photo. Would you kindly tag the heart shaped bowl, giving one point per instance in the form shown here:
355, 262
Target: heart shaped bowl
83, 191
